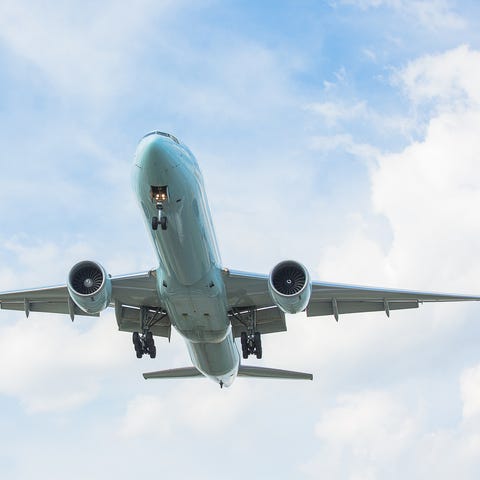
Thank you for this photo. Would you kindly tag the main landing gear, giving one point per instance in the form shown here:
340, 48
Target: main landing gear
159, 196
251, 344
250, 339
144, 344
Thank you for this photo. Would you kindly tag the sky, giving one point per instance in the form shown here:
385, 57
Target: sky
344, 134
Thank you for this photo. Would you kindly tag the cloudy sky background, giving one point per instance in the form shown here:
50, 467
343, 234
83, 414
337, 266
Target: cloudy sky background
344, 134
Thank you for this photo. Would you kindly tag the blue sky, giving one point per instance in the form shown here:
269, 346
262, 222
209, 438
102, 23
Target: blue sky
340, 133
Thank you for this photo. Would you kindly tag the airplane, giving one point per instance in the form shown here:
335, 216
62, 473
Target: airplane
190, 290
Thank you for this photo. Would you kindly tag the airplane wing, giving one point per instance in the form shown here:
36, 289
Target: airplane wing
129, 294
246, 291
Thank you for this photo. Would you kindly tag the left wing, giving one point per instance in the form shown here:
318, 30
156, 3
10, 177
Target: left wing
130, 293
247, 290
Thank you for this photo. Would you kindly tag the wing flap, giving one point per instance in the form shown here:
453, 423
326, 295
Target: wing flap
342, 292
136, 289
129, 319
316, 309
43, 307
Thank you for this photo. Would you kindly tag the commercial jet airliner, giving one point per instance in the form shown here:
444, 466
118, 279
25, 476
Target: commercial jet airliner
190, 290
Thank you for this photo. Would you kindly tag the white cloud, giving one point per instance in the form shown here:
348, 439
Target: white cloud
450, 78
333, 112
83, 49
435, 14
346, 143
427, 191
379, 434
196, 404
470, 390
50, 365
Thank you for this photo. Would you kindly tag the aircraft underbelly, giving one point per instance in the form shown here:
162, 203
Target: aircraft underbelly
198, 312
219, 361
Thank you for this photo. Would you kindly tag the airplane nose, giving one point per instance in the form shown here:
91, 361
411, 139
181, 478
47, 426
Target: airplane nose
157, 152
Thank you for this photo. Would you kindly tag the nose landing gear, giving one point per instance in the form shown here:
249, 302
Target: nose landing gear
159, 195
162, 221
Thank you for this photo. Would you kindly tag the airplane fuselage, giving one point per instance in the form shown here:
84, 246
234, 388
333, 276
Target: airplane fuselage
189, 279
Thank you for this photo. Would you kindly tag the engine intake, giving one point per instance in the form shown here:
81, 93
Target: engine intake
89, 286
290, 286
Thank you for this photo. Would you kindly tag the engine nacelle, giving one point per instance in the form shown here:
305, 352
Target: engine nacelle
290, 286
90, 287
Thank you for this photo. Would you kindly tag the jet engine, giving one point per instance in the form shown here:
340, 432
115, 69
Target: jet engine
290, 286
89, 286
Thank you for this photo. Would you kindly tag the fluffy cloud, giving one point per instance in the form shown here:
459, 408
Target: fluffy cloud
450, 78
428, 193
379, 434
148, 415
80, 51
51, 365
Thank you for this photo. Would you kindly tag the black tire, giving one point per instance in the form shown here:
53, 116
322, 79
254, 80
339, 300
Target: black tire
163, 222
155, 223
139, 353
149, 341
244, 342
153, 351
258, 345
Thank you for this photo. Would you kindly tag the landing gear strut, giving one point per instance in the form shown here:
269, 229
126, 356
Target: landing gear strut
159, 195
160, 220
251, 344
250, 339
144, 343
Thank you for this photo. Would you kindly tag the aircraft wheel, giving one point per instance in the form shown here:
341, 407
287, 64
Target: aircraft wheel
258, 345
154, 223
137, 343
163, 223
153, 351
243, 340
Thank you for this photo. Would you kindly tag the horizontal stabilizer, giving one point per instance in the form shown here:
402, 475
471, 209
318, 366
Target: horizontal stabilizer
262, 372
243, 371
184, 372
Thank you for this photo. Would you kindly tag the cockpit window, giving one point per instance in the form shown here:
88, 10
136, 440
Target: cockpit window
156, 132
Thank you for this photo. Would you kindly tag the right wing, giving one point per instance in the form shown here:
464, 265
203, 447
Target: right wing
130, 293
249, 291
